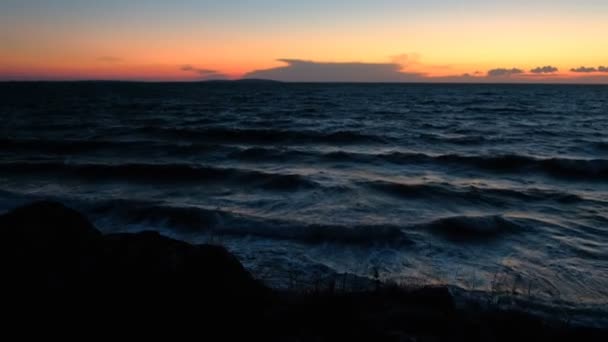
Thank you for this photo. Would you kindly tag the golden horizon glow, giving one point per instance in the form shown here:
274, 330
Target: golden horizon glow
434, 43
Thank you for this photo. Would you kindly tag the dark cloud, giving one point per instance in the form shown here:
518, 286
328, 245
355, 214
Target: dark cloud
298, 70
590, 69
502, 72
544, 70
110, 59
205, 73
583, 69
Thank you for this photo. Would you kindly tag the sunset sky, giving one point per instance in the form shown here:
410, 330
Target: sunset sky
313, 40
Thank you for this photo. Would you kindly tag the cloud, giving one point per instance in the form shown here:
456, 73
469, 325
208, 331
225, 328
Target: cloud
110, 59
406, 59
298, 70
583, 69
590, 69
544, 70
502, 72
205, 73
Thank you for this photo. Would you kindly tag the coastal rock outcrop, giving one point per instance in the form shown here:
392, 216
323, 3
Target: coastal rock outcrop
46, 246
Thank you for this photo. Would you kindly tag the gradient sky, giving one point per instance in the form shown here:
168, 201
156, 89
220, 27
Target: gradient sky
430, 40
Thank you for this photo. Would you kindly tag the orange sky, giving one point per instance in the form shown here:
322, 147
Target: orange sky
76, 40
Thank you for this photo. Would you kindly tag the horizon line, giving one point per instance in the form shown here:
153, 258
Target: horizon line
255, 80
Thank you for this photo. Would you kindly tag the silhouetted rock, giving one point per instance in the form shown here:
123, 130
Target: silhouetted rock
148, 260
47, 225
48, 247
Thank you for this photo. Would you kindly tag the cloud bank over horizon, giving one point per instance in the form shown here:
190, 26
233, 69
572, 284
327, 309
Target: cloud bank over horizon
405, 68
298, 70
548, 69
589, 70
301, 70
204, 73
502, 72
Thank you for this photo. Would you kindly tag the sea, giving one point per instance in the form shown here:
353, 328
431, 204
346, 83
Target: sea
487, 188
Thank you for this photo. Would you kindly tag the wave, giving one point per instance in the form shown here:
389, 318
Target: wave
444, 191
135, 211
457, 139
401, 190
220, 222
594, 169
473, 228
73, 146
558, 167
601, 145
262, 136
270, 154
569, 168
500, 109
60, 146
366, 235
170, 173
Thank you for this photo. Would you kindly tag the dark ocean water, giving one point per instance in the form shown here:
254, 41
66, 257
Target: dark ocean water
456, 184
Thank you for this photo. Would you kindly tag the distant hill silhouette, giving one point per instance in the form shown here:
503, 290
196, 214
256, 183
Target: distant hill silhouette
243, 80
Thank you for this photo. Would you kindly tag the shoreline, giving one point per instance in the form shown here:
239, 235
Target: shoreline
50, 252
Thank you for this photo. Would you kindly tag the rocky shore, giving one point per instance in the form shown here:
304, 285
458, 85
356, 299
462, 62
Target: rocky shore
57, 267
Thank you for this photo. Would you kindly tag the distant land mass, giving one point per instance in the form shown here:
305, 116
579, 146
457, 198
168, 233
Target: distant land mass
243, 80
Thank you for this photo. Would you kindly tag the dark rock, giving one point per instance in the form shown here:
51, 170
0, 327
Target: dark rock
147, 260
48, 247
49, 224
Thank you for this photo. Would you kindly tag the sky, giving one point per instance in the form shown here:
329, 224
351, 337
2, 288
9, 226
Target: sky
313, 40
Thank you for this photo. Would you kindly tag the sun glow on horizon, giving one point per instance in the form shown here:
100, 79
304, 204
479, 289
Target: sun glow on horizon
436, 40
